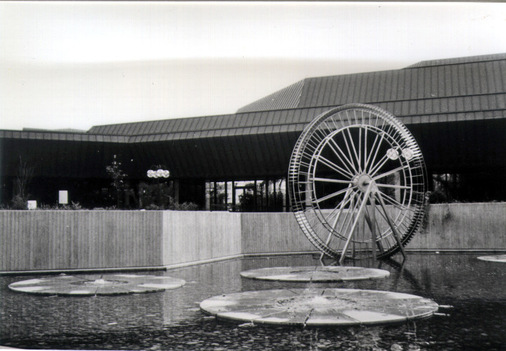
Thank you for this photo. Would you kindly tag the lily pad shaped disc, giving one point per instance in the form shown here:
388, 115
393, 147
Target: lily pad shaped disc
315, 274
493, 258
319, 307
90, 285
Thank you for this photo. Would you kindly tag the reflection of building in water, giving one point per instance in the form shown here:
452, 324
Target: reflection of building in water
78, 315
455, 273
202, 281
455, 108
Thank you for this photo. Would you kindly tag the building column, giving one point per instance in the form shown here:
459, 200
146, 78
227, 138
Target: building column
176, 190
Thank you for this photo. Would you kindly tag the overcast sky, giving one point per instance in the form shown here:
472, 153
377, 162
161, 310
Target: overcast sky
75, 65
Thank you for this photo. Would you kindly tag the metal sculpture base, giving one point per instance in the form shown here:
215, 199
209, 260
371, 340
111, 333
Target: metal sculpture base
371, 194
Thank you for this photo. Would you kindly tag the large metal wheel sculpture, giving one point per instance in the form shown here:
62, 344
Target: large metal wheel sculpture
357, 182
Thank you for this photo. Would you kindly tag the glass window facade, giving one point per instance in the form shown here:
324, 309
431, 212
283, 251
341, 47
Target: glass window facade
257, 195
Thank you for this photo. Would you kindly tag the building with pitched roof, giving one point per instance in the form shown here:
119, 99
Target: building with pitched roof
455, 108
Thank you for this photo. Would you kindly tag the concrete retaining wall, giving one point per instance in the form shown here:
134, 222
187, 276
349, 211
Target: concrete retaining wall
458, 226
55, 240
190, 237
272, 233
65, 240
463, 226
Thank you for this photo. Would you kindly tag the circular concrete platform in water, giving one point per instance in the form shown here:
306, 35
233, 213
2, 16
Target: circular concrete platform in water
493, 258
89, 285
315, 274
319, 307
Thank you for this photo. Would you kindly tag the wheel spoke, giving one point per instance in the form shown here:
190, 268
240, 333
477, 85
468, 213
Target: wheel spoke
330, 196
381, 213
334, 167
393, 186
373, 159
340, 207
379, 165
348, 218
384, 212
330, 180
354, 149
367, 159
360, 149
365, 147
391, 223
341, 155
395, 170
355, 221
349, 152
346, 200
396, 203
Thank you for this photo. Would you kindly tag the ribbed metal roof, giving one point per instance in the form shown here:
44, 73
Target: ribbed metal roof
459, 60
286, 98
177, 125
481, 77
268, 122
480, 80
61, 136
466, 94
430, 91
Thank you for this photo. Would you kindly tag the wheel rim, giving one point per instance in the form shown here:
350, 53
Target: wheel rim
357, 169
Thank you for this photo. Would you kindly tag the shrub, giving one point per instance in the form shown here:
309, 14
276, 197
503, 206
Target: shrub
19, 203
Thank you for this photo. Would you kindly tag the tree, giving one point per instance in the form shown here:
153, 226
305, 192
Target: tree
118, 178
23, 178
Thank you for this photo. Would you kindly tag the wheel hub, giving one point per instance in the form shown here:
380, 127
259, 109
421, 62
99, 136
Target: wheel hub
362, 182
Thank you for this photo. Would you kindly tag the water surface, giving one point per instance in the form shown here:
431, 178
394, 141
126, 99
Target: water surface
172, 320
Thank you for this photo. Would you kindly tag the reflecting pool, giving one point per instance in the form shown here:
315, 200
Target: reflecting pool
172, 320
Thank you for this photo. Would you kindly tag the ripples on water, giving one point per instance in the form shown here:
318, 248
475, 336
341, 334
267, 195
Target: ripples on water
171, 320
